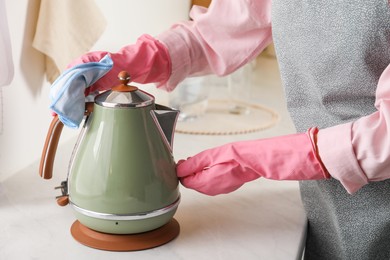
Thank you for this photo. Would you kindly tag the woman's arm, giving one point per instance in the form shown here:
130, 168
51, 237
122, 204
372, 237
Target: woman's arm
219, 39
358, 152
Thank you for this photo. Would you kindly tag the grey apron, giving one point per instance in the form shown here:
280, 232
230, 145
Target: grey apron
331, 55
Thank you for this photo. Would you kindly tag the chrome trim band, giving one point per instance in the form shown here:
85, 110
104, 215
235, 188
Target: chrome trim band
135, 216
120, 105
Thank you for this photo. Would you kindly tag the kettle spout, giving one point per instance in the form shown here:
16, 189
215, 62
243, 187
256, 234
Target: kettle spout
165, 119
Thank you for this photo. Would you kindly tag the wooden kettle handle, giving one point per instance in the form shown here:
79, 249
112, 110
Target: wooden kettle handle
51, 143
50, 148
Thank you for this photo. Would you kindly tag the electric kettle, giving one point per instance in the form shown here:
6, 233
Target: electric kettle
121, 177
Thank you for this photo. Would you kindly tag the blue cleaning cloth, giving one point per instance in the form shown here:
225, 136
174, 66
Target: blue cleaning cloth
67, 91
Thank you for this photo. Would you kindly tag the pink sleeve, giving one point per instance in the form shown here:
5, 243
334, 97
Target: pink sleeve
218, 40
359, 152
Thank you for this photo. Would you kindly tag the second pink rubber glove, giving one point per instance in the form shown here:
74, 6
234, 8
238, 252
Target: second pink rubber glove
146, 61
226, 168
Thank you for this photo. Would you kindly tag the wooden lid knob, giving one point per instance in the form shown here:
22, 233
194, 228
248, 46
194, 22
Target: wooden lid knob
124, 79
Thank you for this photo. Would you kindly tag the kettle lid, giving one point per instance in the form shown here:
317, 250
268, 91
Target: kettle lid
124, 95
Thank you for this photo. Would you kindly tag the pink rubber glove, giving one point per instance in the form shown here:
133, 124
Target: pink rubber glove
226, 168
146, 61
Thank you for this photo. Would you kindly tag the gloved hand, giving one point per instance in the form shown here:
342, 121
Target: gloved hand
146, 61
226, 168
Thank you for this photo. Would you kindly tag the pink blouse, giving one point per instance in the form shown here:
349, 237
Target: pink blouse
354, 153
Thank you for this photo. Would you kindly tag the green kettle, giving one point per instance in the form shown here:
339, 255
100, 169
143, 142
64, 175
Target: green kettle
121, 177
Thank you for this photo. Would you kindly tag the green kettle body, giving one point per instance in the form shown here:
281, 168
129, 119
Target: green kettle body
122, 177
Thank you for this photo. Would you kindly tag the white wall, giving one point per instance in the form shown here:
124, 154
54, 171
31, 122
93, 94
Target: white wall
25, 102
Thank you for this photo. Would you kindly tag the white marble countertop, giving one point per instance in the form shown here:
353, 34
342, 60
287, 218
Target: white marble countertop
262, 220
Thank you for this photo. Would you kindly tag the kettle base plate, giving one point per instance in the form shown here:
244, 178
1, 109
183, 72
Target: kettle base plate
127, 242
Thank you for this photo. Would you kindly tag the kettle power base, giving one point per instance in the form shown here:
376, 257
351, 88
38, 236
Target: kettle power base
131, 242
